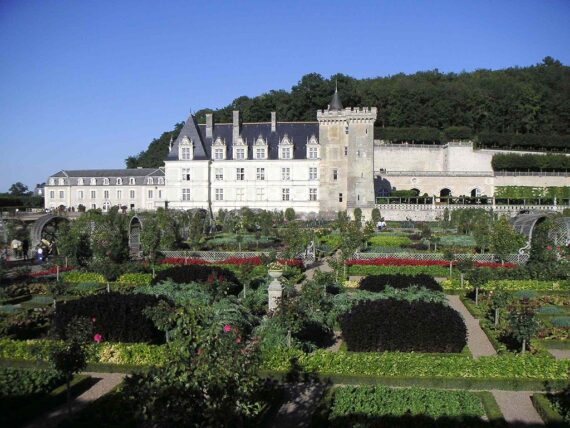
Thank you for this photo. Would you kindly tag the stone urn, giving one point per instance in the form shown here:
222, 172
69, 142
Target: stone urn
275, 290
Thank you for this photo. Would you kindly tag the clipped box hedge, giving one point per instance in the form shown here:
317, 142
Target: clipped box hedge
414, 365
138, 279
136, 354
378, 283
526, 284
440, 271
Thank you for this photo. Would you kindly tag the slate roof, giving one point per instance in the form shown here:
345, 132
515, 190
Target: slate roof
298, 133
335, 103
139, 174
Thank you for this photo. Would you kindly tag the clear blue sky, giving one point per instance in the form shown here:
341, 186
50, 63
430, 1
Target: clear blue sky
84, 84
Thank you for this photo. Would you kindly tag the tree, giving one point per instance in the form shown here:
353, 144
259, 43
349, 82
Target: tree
358, 216
210, 378
70, 357
504, 239
376, 215
289, 214
150, 238
523, 322
19, 189
499, 300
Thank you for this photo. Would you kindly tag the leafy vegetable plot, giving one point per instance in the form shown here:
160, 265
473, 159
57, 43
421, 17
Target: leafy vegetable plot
383, 401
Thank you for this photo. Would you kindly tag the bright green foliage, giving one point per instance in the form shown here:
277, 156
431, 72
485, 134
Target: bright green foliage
440, 271
517, 162
528, 192
410, 365
290, 214
376, 216
523, 323
529, 284
135, 279
76, 277
384, 401
154, 155
504, 239
389, 241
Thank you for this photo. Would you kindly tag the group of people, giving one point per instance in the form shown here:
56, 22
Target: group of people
17, 249
381, 225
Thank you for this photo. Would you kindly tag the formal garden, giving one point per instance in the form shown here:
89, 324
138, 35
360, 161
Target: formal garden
381, 323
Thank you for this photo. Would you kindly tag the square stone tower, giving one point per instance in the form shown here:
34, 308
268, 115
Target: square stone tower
346, 136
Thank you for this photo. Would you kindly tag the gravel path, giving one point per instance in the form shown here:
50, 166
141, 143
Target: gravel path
560, 354
477, 340
107, 381
302, 400
517, 408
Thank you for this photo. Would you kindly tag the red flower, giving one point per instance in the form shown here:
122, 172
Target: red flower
97, 338
238, 340
227, 328
549, 247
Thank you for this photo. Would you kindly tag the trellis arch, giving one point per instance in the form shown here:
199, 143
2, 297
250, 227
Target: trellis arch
525, 223
135, 228
40, 224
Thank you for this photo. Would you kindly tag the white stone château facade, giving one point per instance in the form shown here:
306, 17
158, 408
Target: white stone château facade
314, 167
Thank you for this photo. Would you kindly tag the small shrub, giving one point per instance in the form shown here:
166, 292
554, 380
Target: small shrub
195, 273
398, 325
18, 382
378, 283
118, 317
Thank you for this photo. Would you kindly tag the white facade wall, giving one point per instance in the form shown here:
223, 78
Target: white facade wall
229, 192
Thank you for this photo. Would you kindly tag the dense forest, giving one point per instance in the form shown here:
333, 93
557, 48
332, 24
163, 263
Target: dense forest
500, 108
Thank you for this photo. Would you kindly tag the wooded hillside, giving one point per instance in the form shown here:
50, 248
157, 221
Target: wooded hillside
531, 100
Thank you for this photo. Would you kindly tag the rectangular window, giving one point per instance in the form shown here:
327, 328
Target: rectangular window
106, 194
340, 197
240, 154
312, 173
93, 206
286, 153
132, 194
284, 194
61, 194
80, 194
119, 194
260, 173
260, 194
219, 194
185, 194
185, 174
219, 173
240, 174
185, 153
313, 153
52, 194
285, 174
160, 194
335, 174
240, 194
150, 194
346, 150
93, 194
312, 194
259, 153
218, 154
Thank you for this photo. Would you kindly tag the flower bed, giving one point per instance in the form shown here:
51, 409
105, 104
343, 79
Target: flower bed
50, 271
234, 261
529, 284
378, 283
78, 277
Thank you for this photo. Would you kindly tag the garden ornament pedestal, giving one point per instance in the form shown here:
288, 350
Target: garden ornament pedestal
275, 290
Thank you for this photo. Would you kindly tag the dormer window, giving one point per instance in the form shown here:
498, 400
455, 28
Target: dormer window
186, 149
240, 149
52, 181
260, 148
93, 181
119, 181
160, 180
219, 149
312, 148
286, 148
80, 181
149, 180
132, 180
106, 181
61, 181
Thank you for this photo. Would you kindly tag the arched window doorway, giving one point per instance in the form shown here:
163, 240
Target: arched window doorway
476, 193
445, 192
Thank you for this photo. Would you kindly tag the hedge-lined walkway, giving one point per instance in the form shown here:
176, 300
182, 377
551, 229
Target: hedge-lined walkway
107, 381
477, 340
517, 408
297, 411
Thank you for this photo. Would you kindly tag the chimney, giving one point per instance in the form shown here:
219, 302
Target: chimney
273, 121
209, 125
235, 133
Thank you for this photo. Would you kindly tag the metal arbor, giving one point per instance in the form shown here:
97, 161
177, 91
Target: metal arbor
525, 224
45, 228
